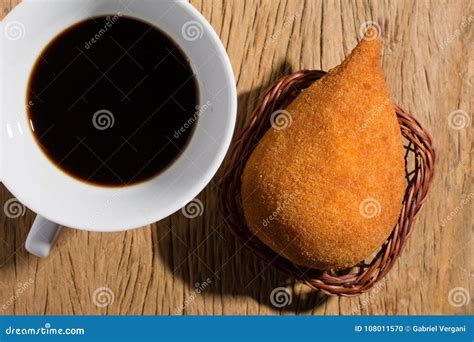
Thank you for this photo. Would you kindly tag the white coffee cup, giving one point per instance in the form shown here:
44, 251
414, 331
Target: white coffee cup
60, 199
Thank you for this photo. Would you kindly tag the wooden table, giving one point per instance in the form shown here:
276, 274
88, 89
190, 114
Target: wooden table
154, 270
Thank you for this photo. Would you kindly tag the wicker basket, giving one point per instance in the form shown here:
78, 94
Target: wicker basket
361, 278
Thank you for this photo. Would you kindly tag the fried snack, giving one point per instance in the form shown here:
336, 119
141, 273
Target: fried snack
324, 186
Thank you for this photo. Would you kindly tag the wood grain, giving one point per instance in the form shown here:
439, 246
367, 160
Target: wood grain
153, 270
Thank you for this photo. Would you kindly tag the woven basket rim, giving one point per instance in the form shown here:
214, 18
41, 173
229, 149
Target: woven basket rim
362, 277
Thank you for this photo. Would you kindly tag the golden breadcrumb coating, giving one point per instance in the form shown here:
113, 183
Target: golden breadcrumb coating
327, 191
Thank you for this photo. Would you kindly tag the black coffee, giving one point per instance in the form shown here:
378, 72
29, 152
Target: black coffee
109, 98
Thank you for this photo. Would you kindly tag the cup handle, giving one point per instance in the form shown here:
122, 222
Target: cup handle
42, 236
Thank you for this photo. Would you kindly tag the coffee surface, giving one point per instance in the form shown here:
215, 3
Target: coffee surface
112, 101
